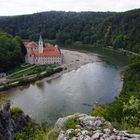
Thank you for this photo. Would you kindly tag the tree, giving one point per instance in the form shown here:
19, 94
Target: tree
11, 52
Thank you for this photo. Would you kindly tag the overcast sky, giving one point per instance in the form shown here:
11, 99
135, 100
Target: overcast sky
18, 7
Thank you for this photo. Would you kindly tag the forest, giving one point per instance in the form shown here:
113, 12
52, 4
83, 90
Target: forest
101, 29
12, 52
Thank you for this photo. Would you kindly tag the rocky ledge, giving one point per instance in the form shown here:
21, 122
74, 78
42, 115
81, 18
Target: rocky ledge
11, 121
85, 127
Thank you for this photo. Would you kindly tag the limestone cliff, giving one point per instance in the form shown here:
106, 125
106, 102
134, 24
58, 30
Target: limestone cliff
85, 127
11, 122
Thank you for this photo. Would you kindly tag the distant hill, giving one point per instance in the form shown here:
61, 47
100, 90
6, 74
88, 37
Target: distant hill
98, 28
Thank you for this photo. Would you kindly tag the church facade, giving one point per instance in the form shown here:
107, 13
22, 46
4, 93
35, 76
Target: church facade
43, 53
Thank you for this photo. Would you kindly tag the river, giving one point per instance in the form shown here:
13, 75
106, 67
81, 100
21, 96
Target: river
76, 91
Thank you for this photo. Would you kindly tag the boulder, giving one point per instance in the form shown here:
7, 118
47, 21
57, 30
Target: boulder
60, 122
91, 122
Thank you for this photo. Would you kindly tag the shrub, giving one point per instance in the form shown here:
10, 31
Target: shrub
71, 123
15, 112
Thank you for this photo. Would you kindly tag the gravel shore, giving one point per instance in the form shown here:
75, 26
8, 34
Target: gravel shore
74, 60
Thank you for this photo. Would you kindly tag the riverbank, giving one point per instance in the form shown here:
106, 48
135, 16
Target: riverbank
28, 75
91, 47
74, 60
124, 111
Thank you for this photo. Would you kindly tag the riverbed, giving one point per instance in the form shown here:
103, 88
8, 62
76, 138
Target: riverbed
90, 78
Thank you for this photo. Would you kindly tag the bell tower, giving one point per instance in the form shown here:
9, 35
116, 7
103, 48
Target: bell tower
40, 44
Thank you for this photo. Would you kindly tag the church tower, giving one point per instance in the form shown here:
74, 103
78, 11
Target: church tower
40, 44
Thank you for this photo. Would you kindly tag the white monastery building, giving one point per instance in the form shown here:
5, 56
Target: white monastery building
43, 53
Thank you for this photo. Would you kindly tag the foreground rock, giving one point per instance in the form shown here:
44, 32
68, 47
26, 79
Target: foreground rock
89, 128
11, 122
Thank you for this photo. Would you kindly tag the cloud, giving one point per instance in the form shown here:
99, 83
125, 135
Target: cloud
17, 7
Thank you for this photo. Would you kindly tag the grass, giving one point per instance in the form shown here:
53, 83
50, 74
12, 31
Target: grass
19, 72
21, 67
71, 123
29, 75
35, 131
29, 70
51, 135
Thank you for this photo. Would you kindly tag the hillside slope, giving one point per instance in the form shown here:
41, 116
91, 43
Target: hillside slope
99, 28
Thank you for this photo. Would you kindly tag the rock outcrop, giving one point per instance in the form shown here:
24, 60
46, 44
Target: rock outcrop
90, 128
10, 123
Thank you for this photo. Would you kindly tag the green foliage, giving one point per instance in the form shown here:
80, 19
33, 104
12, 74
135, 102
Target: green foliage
51, 135
134, 59
99, 110
34, 131
11, 52
15, 112
72, 134
30, 70
28, 74
71, 123
119, 41
20, 72
124, 112
120, 30
3, 99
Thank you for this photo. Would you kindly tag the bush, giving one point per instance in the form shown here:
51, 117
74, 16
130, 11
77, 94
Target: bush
3, 99
15, 112
30, 132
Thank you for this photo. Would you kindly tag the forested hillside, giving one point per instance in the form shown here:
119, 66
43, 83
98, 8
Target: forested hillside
120, 30
123, 31
63, 26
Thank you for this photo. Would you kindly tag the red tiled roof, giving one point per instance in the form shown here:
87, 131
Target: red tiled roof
47, 54
31, 45
49, 50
